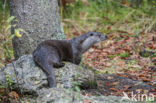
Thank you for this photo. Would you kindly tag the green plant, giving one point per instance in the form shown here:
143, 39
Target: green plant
6, 49
92, 84
6, 44
2, 86
122, 55
6, 39
9, 80
76, 86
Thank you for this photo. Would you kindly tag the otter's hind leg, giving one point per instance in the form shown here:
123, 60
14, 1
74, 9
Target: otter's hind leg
47, 58
50, 73
52, 60
48, 69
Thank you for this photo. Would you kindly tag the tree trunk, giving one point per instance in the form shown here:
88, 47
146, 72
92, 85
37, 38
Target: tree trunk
40, 19
136, 3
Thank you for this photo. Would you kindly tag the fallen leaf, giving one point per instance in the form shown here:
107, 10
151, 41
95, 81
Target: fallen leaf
86, 100
115, 83
108, 64
110, 78
14, 95
121, 63
146, 91
138, 90
113, 89
126, 87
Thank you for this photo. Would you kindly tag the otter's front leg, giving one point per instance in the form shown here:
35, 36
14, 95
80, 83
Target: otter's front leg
77, 60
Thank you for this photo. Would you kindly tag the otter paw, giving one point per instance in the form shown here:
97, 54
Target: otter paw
59, 65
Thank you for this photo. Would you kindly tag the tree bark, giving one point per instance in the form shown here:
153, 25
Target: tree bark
41, 21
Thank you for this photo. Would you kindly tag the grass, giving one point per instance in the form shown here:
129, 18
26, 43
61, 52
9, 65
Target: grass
5, 41
122, 55
108, 16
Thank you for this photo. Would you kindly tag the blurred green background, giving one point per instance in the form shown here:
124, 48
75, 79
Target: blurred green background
80, 16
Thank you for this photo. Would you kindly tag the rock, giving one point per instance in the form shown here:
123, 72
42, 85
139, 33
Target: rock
70, 73
30, 78
112, 83
55, 95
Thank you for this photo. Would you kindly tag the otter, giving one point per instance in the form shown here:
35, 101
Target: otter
51, 53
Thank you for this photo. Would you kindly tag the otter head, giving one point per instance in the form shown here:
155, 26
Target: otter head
90, 39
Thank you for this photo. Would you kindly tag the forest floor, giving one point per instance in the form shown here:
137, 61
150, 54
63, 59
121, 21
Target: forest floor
124, 63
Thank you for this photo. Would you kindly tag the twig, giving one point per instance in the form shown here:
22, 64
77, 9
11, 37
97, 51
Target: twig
14, 68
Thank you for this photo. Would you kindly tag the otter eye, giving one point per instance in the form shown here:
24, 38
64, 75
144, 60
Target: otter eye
91, 34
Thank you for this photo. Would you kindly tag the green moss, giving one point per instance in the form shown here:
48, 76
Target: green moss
122, 55
112, 56
125, 54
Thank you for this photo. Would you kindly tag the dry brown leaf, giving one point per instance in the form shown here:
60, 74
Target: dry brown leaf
2, 91
145, 79
154, 60
141, 75
107, 64
138, 90
115, 83
121, 63
146, 91
113, 89
110, 78
126, 87
14, 95
85, 2
86, 100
